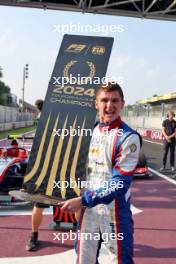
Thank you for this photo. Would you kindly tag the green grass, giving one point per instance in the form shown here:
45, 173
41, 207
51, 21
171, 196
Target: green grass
4, 134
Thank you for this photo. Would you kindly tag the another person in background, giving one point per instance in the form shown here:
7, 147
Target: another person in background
37, 213
39, 105
14, 143
169, 133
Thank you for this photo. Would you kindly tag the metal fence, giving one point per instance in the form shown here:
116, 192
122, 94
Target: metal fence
159, 111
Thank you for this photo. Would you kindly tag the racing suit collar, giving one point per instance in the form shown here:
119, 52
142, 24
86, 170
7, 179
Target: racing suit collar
108, 126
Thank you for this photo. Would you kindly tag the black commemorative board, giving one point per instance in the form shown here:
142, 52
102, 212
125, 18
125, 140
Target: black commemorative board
62, 139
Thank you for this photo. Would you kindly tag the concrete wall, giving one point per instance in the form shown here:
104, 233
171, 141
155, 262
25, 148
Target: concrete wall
14, 125
12, 114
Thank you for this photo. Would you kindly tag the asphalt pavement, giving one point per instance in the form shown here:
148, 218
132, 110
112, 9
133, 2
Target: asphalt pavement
153, 206
154, 154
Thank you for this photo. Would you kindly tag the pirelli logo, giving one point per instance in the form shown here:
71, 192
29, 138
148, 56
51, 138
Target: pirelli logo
53, 163
76, 48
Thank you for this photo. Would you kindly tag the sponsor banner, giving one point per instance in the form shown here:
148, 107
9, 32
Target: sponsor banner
152, 134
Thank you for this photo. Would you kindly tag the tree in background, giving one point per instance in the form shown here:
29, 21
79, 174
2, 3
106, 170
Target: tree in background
1, 72
4, 90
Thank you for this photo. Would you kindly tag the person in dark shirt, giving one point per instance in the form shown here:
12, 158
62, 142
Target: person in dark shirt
169, 133
37, 212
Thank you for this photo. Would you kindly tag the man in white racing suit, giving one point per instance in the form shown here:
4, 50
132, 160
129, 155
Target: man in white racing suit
112, 159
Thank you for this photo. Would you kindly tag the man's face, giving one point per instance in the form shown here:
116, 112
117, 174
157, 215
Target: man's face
170, 115
109, 106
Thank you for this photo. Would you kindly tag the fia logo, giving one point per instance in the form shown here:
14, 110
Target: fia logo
98, 50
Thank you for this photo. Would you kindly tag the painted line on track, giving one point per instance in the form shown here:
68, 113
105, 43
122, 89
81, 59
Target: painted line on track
153, 142
162, 176
7, 212
63, 257
3, 139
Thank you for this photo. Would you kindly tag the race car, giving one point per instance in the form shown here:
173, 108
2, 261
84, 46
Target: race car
24, 140
63, 221
13, 164
142, 168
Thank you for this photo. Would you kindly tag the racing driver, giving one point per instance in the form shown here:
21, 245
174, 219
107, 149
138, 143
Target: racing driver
105, 204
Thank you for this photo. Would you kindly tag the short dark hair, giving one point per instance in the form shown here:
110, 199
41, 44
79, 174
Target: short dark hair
111, 87
39, 104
